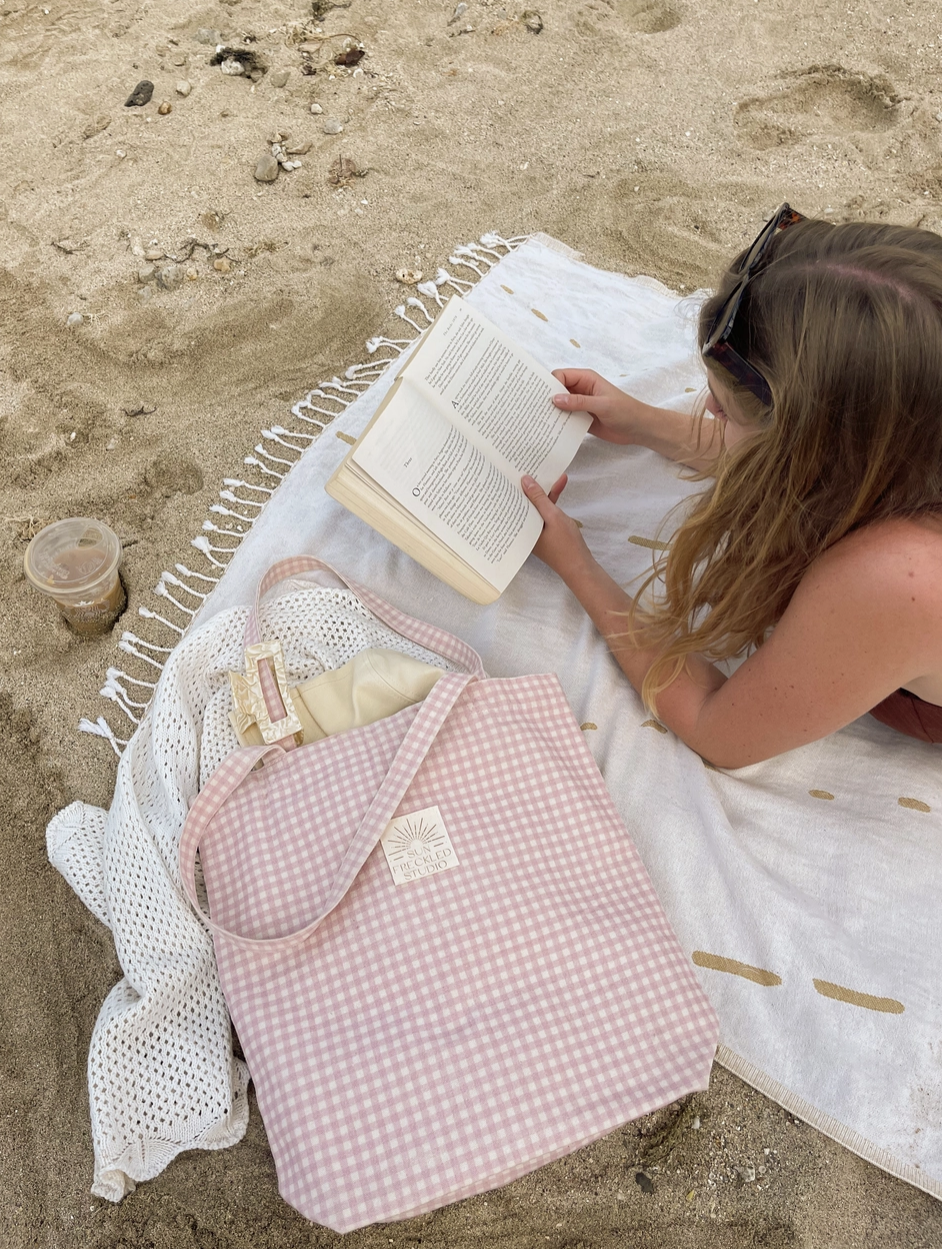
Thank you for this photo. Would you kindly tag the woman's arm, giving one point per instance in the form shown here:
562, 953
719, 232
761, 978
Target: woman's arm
864, 620
620, 418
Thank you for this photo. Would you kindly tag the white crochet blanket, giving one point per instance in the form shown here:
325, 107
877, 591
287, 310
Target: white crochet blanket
162, 1075
805, 889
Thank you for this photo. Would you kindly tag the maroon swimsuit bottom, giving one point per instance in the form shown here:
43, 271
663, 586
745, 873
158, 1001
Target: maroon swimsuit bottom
910, 715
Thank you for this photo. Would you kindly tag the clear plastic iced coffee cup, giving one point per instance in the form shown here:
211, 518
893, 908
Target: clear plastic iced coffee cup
75, 562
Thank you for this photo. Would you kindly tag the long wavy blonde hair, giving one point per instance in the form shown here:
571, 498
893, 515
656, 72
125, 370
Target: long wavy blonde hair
845, 324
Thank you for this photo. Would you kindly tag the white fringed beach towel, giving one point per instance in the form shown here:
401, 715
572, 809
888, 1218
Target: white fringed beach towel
805, 889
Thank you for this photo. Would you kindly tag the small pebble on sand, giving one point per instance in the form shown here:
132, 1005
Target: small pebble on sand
267, 168
232, 67
279, 77
332, 126
75, 318
183, 87
164, 107
154, 253
146, 274
316, 108
222, 265
141, 95
170, 277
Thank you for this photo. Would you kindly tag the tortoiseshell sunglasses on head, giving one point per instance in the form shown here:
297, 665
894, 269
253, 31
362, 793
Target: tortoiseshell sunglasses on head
717, 348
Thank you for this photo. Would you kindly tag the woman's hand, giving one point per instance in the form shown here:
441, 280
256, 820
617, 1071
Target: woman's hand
560, 545
616, 417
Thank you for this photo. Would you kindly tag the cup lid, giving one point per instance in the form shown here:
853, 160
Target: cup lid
71, 554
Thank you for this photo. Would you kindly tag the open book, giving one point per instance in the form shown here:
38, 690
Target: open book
438, 468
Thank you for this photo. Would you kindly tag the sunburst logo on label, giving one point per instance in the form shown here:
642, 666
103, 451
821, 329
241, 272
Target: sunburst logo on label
417, 846
417, 838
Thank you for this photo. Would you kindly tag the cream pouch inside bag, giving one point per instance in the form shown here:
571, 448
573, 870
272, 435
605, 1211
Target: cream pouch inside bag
372, 685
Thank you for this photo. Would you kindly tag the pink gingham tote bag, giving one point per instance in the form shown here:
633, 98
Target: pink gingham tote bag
415, 1043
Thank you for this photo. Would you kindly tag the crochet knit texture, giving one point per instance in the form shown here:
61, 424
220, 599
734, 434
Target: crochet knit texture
162, 1073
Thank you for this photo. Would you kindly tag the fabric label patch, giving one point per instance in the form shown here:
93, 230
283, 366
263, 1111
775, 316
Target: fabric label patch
417, 846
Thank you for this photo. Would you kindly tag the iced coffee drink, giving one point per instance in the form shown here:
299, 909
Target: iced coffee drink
76, 563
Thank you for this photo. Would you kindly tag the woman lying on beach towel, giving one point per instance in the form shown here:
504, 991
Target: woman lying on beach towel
819, 547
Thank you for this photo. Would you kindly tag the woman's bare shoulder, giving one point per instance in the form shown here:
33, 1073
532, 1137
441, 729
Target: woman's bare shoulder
898, 562
902, 543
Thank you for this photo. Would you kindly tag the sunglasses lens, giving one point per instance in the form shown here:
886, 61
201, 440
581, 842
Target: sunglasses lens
726, 317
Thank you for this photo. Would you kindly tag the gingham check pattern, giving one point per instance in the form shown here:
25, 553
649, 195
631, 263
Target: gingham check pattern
414, 1045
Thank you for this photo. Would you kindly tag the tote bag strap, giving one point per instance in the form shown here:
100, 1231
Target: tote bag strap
416, 744
429, 636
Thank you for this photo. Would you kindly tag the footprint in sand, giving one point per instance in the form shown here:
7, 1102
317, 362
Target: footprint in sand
641, 17
174, 473
823, 99
649, 17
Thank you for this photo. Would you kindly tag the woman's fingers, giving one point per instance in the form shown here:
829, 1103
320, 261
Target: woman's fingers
578, 382
594, 405
582, 381
616, 416
614, 413
587, 392
557, 489
560, 545
543, 502
537, 496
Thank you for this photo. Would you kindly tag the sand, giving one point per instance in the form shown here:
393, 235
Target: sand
652, 135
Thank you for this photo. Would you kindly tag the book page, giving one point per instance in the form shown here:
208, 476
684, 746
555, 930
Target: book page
497, 395
416, 455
